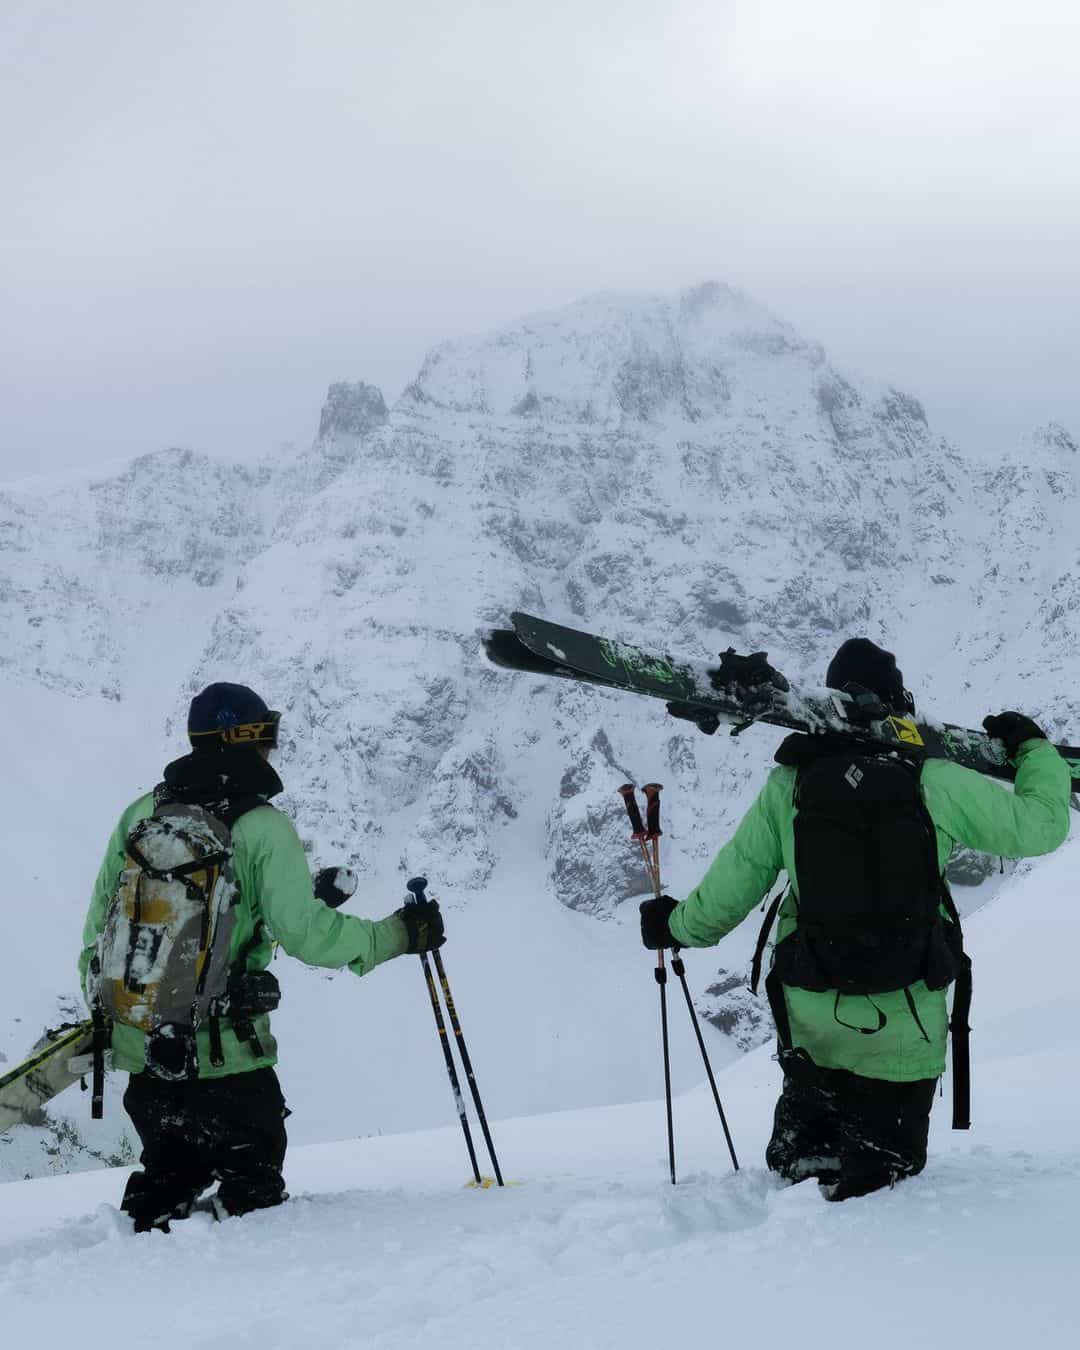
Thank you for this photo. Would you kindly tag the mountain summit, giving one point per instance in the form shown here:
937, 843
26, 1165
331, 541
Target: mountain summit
611, 359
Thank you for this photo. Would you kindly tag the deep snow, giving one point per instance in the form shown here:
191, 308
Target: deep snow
381, 1246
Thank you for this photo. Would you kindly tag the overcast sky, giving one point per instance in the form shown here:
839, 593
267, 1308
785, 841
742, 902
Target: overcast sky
212, 209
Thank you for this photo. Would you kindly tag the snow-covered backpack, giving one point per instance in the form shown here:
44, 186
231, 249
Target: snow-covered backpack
162, 960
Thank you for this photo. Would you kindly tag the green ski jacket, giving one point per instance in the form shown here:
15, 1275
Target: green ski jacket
966, 808
275, 888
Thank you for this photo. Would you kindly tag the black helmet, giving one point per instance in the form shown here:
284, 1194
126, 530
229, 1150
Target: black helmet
863, 663
226, 715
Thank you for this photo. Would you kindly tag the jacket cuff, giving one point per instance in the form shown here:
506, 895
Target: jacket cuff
675, 927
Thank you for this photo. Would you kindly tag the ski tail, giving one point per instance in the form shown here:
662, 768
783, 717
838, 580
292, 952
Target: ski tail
65, 1038
504, 648
44, 1073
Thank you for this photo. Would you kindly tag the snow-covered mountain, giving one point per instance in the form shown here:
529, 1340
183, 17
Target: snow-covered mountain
685, 471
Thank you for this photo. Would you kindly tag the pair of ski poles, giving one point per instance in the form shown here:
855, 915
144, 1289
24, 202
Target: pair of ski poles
416, 888
647, 836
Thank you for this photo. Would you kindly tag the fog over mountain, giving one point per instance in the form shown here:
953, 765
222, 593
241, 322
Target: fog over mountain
684, 471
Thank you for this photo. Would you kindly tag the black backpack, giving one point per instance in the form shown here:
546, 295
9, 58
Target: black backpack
869, 908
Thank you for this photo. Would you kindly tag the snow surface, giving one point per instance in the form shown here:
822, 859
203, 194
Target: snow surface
381, 1246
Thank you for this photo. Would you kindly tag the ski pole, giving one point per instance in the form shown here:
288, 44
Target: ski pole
653, 832
680, 970
652, 836
640, 835
661, 979
417, 888
652, 827
440, 970
652, 865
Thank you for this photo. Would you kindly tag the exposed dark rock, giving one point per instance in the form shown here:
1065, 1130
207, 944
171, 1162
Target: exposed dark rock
352, 410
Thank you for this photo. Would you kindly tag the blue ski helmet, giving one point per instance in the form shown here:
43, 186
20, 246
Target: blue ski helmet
225, 715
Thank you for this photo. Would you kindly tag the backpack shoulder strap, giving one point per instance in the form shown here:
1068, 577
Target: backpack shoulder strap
774, 990
763, 939
237, 808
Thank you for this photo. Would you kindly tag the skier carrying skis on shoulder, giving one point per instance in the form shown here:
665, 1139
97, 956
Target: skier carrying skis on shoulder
868, 938
200, 877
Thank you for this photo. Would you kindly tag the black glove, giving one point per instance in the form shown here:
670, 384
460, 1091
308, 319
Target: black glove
424, 924
655, 913
701, 717
334, 885
1014, 729
747, 673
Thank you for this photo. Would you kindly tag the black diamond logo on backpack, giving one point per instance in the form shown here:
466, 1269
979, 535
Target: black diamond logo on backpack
854, 775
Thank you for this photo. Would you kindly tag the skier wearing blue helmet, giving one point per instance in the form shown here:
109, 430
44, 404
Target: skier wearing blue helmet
200, 879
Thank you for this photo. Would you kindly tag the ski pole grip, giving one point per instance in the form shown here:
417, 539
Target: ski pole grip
417, 886
652, 809
627, 792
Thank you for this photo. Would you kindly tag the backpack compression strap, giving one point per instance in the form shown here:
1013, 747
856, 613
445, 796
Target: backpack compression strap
243, 1029
959, 1029
100, 1040
774, 988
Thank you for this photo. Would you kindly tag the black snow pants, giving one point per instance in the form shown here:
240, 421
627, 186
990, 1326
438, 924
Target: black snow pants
854, 1134
202, 1130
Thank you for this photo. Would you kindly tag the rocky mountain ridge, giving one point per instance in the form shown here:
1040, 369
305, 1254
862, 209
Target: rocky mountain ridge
686, 472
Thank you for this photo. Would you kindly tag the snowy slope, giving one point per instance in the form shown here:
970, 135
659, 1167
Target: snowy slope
684, 470
381, 1246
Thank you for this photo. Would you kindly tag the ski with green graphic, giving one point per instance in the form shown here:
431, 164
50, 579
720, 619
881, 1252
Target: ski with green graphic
740, 691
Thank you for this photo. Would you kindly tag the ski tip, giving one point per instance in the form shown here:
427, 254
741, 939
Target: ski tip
503, 647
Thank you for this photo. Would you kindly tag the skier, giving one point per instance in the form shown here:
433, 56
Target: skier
204, 1098
867, 938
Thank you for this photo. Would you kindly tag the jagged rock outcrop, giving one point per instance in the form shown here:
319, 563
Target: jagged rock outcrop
351, 410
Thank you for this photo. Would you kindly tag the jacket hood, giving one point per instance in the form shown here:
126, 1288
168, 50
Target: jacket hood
206, 780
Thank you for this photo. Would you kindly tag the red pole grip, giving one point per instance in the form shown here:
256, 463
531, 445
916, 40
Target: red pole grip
627, 792
652, 809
